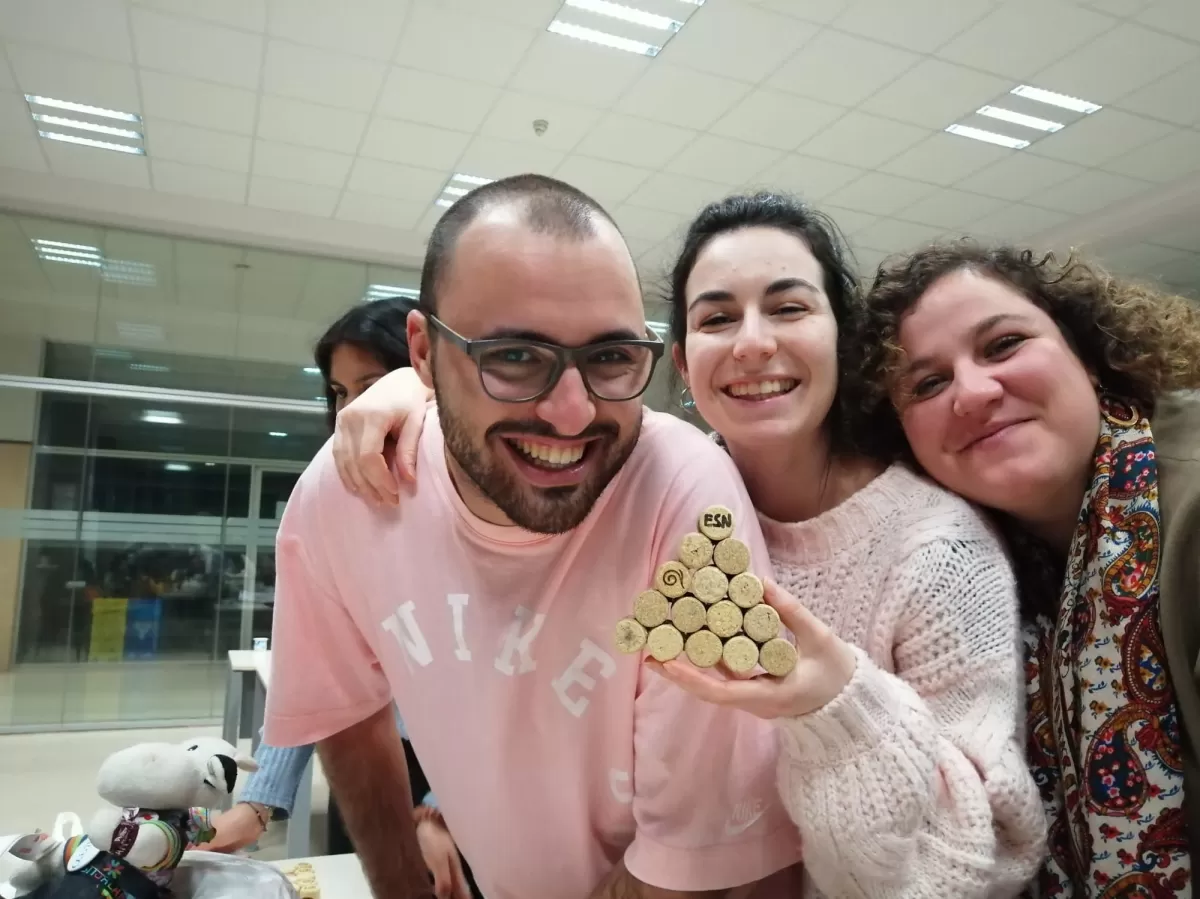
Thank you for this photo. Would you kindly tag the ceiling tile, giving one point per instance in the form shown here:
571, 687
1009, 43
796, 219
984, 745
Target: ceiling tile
97, 165
179, 99
14, 114
429, 219
935, 94
647, 224
842, 69
609, 183
880, 194
288, 196
681, 96
197, 49
848, 221
397, 182
1015, 223
676, 194
198, 181
248, 15
198, 146
1181, 17
894, 235
812, 179
1179, 235
310, 124
322, 76
375, 210
1118, 7
633, 141
721, 159
775, 119
1173, 97
7, 83
21, 150
529, 13
93, 29
436, 99
1019, 176
412, 144
863, 140
918, 25
301, 164
514, 113
69, 76
739, 42
369, 28
952, 210
822, 13
1136, 259
1090, 192
945, 159
492, 158
1102, 136
441, 40
562, 67
1164, 160
1116, 63
1005, 43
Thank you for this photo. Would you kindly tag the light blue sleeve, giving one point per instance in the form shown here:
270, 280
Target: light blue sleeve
278, 776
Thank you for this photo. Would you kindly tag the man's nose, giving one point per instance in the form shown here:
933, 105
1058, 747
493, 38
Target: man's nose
568, 408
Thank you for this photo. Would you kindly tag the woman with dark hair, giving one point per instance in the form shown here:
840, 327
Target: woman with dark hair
901, 743
356, 351
1062, 400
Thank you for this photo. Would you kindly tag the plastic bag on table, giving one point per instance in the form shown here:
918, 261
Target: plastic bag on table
215, 875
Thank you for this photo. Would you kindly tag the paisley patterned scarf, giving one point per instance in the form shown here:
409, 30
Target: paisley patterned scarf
1103, 724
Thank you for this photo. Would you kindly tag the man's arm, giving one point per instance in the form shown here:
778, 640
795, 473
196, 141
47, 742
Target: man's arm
380, 821
620, 884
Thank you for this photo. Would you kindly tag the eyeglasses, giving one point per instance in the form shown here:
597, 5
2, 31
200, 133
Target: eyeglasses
521, 371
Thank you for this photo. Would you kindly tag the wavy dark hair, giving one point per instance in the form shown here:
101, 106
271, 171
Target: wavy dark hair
848, 430
379, 328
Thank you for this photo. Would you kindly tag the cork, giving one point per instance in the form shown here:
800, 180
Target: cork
716, 523
761, 623
724, 619
778, 657
665, 643
710, 585
688, 614
746, 590
732, 556
740, 654
651, 608
704, 649
695, 550
630, 636
672, 579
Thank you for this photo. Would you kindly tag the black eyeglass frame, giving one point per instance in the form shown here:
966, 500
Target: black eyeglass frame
564, 357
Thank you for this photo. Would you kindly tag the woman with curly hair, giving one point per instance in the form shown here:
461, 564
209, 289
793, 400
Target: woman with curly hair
1056, 396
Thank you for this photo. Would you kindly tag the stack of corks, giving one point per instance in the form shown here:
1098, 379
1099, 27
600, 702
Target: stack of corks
707, 604
303, 879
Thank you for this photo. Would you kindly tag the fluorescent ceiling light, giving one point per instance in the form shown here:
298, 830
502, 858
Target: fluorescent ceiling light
177, 466
1019, 118
1061, 100
154, 417
603, 38
77, 254
58, 245
145, 366
455, 191
386, 291
73, 260
80, 125
83, 107
137, 331
474, 180
444, 203
89, 142
991, 137
659, 328
626, 14
276, 433
125, 271
459, 185
311, 370
104, 353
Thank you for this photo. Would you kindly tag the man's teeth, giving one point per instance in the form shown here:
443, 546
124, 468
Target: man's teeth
763, 388
553, 456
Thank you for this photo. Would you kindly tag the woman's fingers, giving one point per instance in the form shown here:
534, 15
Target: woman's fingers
743, 694
461, 890
804, 625
406, 446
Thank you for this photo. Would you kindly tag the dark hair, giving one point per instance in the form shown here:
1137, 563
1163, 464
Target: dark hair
548, 206
793, 216
377, 327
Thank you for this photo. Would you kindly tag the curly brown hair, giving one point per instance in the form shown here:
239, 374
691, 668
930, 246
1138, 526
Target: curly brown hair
1140, 343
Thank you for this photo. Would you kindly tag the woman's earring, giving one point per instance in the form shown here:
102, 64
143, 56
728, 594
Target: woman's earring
686, 401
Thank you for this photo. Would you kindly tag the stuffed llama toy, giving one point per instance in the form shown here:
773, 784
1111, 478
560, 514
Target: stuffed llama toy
162, 797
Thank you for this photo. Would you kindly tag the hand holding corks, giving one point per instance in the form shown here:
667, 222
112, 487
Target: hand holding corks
708, 605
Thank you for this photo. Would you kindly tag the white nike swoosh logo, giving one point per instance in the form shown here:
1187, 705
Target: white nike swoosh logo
733, 828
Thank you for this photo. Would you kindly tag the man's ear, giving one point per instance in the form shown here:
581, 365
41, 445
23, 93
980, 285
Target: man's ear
680, 363
420, 348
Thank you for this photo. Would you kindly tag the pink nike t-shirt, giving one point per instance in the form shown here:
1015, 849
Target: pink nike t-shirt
552, 755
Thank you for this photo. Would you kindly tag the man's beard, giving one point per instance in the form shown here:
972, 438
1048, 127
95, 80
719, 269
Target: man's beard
553, 510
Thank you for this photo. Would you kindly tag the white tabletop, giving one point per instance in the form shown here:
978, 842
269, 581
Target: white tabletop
338, 876
247, 659
262, 664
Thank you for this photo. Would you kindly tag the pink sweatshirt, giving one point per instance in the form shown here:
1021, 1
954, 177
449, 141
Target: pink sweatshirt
912, 782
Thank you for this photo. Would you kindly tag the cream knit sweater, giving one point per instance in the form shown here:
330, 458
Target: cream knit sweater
912, 782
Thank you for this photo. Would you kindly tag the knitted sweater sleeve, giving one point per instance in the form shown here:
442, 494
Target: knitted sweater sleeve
914, 784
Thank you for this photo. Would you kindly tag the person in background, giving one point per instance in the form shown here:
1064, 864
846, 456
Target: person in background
902, 757
1064, 400
359, 348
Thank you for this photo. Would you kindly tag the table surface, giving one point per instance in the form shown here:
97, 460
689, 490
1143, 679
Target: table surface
247, 659
338, 876
262, 664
